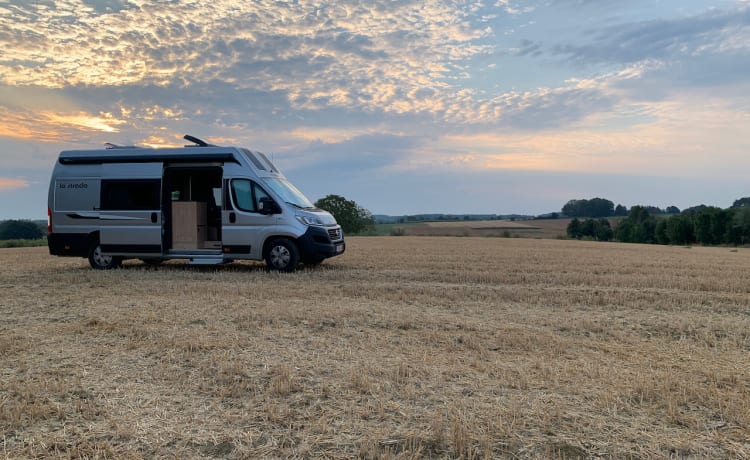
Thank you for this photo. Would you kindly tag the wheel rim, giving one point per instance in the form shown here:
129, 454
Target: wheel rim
280, 256
100, 258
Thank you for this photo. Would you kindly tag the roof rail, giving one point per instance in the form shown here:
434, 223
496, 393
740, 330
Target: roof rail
198, 142
110, 146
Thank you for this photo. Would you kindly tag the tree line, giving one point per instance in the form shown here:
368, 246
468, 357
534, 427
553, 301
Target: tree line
601, 207
21, 230
708, 225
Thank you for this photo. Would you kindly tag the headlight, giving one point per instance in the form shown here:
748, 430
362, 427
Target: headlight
309, 220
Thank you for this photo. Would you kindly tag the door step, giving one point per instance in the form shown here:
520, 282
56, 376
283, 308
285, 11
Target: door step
207, 259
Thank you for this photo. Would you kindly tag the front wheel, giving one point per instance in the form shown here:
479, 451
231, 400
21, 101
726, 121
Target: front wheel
100, 261
282, 255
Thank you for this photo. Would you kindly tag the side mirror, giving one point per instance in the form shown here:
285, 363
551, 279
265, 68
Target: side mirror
267, 206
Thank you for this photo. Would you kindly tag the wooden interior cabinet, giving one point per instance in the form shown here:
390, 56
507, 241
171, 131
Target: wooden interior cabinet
188, 224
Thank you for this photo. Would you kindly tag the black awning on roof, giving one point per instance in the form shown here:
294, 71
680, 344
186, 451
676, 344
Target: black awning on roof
158, 158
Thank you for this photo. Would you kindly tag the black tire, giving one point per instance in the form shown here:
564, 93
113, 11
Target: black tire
99, 261
282, 255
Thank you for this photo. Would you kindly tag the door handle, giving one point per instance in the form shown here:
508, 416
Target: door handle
232, 217
153, 217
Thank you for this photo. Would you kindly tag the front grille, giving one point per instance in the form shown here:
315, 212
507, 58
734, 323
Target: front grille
334, 234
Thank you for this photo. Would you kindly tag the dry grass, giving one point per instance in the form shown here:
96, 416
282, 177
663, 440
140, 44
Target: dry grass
402, 348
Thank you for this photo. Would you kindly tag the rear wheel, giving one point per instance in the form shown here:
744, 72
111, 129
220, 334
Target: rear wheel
100, 261
282, 255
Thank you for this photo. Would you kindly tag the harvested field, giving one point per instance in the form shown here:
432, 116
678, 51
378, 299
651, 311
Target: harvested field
543, 228
404, 347
478, 224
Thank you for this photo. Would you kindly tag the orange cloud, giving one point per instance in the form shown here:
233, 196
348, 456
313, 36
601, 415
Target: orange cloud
11, 183
46, 126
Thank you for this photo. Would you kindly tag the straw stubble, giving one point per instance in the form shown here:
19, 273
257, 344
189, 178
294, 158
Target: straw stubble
404, 347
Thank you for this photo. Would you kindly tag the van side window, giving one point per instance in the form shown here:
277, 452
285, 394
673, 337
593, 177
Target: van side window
130, 195
242, 195
246, 195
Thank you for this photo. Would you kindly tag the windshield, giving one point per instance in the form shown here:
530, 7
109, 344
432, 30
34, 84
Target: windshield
288, 192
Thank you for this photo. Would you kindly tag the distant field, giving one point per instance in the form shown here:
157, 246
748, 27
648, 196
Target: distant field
543, 228
404, 347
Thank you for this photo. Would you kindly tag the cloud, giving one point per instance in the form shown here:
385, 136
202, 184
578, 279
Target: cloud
717, 36
351, 157
12, 183
47, 126
265, 64
349, 50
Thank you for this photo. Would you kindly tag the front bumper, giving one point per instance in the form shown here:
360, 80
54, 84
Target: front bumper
316, 244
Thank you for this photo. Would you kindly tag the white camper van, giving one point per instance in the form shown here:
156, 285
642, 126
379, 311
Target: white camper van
204, 203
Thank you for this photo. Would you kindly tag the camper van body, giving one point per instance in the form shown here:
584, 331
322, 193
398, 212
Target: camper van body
206, 204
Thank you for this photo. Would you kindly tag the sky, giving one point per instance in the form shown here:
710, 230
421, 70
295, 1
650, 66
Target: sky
406, 107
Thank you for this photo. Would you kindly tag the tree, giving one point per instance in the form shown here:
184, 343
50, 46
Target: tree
721, 222
595, 207
710, 225
603, 230
19, 230
574, 229
624, 231
638, 227
702, 226
739, 227
679, 229
588, 228
352, 217
574, 208
661, 231
596, 229
654, 210
694, 209
599, 207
